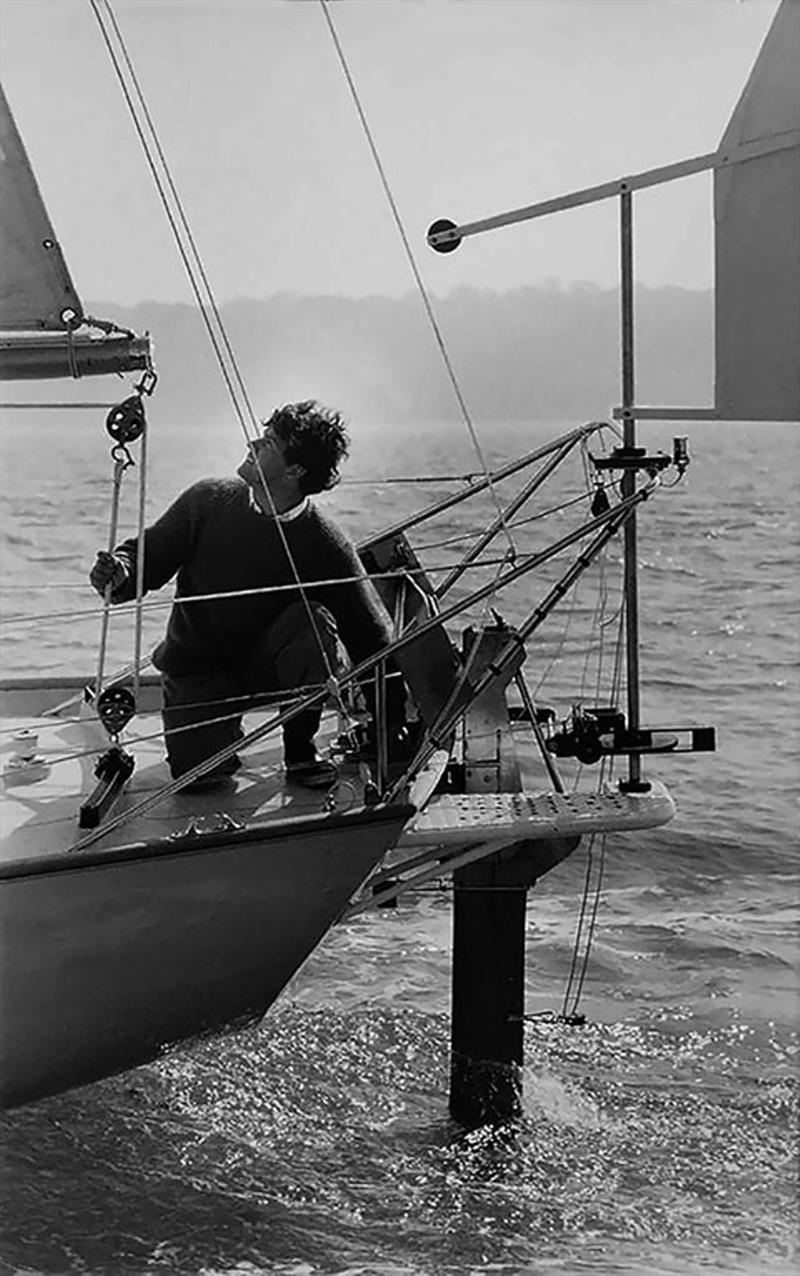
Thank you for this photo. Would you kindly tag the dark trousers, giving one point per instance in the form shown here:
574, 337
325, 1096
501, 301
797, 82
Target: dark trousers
210, 706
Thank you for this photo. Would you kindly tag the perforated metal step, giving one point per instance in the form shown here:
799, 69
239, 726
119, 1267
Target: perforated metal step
466, 818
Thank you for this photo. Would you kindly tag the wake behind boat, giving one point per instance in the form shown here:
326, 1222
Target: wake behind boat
137, 915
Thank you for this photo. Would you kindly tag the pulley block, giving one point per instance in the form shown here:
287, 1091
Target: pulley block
126, 422
115, 708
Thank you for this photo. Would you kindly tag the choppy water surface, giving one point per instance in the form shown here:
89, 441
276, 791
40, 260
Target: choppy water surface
661, 1136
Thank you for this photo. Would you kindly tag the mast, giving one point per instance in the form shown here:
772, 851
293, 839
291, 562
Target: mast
631, 564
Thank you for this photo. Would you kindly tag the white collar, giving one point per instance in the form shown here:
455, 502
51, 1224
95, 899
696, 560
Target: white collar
287, 516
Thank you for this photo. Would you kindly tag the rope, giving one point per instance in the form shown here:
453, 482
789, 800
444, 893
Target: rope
137, 629
515, 573
122, 459
574, 977
159, 604
426, 301
566, 1012
607, 524
288, 699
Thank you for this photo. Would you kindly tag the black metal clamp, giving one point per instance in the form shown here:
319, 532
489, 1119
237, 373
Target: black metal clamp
590, 734
637, 458
113, 769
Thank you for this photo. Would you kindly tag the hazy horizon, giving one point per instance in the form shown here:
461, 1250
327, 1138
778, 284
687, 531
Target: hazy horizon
537, 351
548, 285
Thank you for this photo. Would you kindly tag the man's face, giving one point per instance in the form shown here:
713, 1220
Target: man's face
266, 459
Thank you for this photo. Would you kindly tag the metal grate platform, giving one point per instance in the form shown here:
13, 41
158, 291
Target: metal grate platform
466, 818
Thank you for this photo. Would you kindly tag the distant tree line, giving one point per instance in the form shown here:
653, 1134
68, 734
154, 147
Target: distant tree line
545, 353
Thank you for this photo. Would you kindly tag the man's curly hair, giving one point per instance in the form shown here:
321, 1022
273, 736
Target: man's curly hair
315, 438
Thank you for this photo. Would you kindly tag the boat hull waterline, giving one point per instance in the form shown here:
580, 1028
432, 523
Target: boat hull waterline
109, 958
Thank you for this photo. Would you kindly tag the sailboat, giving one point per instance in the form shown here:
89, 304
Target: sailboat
113, 947
138, 916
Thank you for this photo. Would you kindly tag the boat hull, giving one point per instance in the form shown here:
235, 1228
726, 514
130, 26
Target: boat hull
111, 958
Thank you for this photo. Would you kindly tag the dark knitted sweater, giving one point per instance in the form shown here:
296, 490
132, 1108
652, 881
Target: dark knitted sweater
216, 543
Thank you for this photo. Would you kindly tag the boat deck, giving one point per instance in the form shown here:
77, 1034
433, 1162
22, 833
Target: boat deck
42, 795
47, 770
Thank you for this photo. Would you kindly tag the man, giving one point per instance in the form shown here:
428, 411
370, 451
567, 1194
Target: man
228, 535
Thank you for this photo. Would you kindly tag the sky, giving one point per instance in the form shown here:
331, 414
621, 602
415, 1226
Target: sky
476, 107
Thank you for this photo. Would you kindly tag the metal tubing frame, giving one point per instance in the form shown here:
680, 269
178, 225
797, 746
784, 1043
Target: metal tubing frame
546, 755
480, 485
636, 181
439, 865
501, 521
628, 487
576, 199
453, 709
615, 516
624, 189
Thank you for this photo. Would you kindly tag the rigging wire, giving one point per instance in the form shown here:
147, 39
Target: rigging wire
288, 713
604, 525
234, 375
159, 604
505, 523
596, 624
186, 250
409, 252
577, 978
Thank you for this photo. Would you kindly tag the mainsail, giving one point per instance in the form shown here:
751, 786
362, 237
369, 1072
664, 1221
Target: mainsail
42, 323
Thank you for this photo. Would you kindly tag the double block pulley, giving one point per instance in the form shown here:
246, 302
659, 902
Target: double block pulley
126, 421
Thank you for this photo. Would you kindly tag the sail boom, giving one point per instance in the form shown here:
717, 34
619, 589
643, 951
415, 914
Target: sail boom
33, 356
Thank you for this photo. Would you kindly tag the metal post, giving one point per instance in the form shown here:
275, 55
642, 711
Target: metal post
488, 997
488, 919
629, 478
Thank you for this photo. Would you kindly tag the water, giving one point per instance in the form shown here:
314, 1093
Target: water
659, 1138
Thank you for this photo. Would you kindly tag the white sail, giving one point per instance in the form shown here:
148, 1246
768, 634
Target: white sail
757, 225
39, 307
35, 287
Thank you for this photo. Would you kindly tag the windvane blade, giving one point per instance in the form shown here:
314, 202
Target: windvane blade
756, 214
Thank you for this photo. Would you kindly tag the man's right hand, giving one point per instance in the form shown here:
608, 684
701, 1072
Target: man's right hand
107, 570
